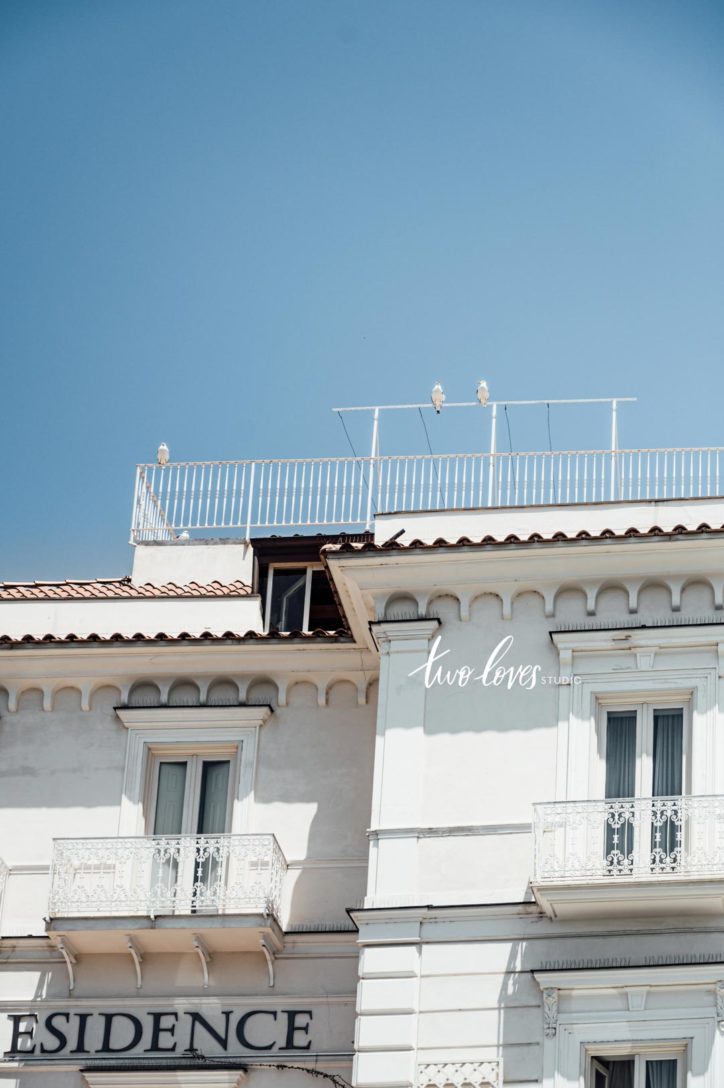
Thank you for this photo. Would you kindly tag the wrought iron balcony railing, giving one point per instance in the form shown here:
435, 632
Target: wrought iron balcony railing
189, 874
642, 838
347, 492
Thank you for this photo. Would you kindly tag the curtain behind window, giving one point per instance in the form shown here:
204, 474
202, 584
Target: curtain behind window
621, 1075
620, 782
668, 752
661, 1074
667, 782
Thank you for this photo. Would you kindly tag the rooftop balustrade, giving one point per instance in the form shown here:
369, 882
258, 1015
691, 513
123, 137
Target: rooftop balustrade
348, 492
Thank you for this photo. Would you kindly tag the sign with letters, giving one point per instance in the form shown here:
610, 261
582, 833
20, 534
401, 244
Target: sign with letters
81, 1033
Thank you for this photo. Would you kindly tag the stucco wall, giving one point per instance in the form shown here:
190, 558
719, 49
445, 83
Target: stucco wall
61, 776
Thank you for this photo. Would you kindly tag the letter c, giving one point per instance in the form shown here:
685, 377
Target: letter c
241, 1026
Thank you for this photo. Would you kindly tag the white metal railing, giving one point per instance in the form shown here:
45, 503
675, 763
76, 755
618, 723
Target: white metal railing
645, 838
188, 874
348, 491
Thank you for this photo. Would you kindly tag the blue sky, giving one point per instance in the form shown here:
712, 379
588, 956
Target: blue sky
219, 220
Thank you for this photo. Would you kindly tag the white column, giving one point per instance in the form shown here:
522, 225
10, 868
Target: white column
399, 761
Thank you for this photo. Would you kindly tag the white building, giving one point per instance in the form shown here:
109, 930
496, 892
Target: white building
437, 805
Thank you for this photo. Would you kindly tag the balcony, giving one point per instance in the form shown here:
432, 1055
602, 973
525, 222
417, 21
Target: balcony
223, 889
635, 856
348, 492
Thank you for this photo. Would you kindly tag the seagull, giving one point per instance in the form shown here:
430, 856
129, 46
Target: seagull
437, 397
163, 455
482, 392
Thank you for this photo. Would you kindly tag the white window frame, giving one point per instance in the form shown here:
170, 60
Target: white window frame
640, 1053
578, 712
182, 730
194, 757
309, 567
644, 710
587, 1024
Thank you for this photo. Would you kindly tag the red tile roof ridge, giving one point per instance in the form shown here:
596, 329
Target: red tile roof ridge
318, 635
558, 536
117, 588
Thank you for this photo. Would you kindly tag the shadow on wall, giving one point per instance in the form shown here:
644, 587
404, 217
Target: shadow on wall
67, 758
513, 667
520, 1016
314, 790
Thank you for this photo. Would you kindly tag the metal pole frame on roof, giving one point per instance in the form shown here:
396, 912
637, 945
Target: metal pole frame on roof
493, 405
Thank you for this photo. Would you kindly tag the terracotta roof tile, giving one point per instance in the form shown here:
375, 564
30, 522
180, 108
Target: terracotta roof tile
347, 547
115, 589
184, 636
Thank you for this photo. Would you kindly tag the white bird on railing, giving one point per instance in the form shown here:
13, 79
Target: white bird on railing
163, 454
482, 392
437, 397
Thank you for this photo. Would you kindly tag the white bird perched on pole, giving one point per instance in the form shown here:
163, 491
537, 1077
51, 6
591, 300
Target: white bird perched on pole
163, 454
437, 397
482, 392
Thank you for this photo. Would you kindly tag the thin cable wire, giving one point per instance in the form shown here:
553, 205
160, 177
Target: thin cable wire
333, 1078
357, 458
432, 455
550, 447
199, 1059
344, 427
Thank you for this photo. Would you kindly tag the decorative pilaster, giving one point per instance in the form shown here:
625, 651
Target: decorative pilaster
397, 800
550, 1012
719, 993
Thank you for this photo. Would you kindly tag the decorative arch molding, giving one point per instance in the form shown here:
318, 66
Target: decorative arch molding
159, 692
487, 1074
404, 606
387, 605
185, 692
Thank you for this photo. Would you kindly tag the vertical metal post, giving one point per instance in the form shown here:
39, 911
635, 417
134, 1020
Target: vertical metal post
136, 512
375, 451
491, 467
614, 447
250, 502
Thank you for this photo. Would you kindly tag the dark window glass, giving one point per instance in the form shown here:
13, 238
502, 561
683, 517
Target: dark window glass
323, 611
286, 612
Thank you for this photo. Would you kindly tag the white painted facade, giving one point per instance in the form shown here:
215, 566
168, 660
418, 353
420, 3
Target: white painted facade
445, 912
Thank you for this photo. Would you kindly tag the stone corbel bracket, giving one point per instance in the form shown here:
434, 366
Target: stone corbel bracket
269, 957
204, 957
137, 960
68, 955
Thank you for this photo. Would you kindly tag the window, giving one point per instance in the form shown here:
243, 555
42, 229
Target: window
660, 1019
197, 740
189, 800
298, 598
642, 764
287, 598
652, 1069
190, 795
644, 750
